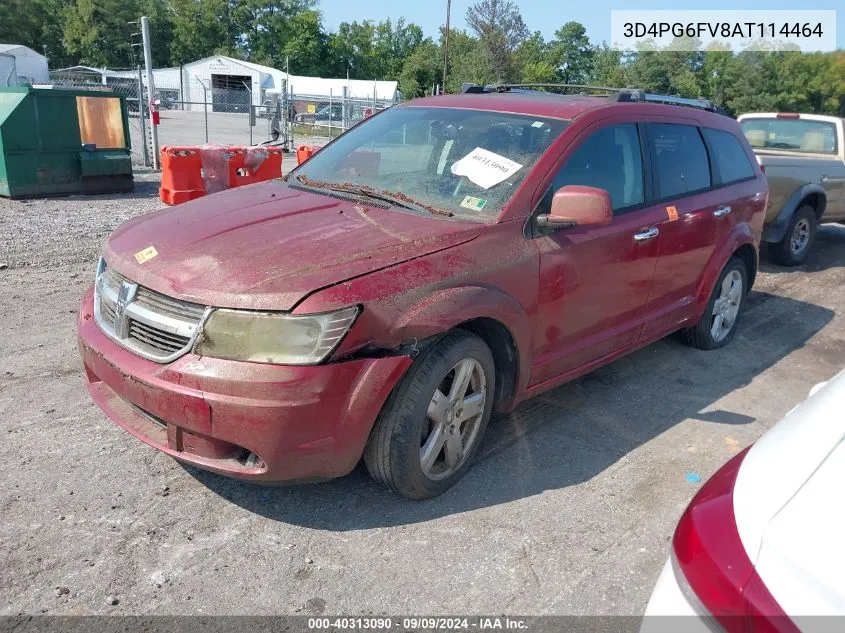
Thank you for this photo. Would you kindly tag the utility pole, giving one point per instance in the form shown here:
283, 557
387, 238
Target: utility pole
446, 43
148, 64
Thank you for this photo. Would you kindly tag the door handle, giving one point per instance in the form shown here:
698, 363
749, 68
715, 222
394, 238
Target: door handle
722, 211
647, 234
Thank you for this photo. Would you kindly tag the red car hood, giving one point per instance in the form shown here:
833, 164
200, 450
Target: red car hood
267, 246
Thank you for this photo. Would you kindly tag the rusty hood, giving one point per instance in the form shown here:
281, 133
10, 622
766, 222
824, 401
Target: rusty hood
268, 246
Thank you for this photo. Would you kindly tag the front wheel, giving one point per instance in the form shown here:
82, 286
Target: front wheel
717, 325
433, 422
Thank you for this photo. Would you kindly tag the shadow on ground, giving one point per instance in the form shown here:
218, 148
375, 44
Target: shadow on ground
566, 436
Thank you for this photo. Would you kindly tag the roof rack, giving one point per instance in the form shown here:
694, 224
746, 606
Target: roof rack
621, 95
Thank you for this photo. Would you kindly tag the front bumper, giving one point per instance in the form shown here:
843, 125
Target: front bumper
253, 421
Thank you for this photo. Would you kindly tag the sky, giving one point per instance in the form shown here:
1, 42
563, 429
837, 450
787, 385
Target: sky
545, 16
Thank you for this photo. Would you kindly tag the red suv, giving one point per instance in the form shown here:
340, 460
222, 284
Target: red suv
445, 258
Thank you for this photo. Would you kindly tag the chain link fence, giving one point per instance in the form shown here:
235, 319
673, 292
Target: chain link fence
223, 113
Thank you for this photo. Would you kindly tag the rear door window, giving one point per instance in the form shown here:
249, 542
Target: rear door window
731, 162
679, 160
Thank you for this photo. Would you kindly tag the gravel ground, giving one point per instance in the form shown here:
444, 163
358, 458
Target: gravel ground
568, 510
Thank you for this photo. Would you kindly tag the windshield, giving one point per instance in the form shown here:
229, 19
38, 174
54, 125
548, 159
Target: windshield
445, 161
796, 135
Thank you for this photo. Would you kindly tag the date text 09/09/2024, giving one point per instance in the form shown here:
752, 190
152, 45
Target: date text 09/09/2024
418, 623
747, 30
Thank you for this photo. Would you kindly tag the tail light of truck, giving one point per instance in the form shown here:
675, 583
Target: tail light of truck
788, 115
715, 566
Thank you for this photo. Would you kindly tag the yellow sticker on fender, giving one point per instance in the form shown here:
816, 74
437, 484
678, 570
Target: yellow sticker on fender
146, 255
673, 213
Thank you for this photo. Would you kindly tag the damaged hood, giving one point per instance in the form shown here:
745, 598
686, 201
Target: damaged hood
267, 246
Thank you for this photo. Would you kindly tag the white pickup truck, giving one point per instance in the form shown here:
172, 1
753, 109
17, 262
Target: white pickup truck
803, 156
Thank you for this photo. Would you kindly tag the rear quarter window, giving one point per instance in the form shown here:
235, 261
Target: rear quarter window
731, 162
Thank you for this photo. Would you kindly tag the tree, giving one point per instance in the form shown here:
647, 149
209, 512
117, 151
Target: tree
501, 30
669, 72
98, 31
351, 50
306, 45
161, 31
421, 70
608, 67
750, 79
263, 28
201, 28
38, 25
532, 61
393, 45
571, 54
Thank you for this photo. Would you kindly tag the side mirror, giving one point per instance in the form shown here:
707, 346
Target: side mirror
577, 205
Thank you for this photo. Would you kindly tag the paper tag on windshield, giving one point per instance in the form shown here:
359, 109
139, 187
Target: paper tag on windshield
485, 168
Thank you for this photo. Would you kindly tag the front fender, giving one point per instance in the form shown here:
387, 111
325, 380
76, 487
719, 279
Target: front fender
447, 308
776, 229
741, 235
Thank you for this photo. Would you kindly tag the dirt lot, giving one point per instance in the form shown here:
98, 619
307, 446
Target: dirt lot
569, 508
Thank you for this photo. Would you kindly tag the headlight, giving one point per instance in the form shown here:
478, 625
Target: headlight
267, 337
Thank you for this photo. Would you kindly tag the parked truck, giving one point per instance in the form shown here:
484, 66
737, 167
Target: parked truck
803, 157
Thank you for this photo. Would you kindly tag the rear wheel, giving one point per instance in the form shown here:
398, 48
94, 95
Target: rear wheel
792, 250
717, 325
433, 422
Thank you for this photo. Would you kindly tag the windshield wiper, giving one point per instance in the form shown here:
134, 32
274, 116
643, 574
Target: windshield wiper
397, 199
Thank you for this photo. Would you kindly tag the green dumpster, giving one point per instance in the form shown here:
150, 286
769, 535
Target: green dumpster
55, 141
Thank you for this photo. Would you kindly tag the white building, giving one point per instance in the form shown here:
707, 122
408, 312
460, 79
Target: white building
230, 85
21, 65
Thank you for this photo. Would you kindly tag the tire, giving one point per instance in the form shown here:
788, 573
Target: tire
792, 250
726, 300
414, 418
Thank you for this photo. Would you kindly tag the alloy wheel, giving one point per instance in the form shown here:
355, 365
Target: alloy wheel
453, 419
726, 306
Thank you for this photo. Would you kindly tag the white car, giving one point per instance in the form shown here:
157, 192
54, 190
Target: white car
761, 547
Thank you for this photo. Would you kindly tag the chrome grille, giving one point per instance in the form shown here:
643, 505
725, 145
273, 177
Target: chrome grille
151, 324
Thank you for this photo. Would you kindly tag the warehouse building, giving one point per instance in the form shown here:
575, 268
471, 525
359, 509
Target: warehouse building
20, 65
225, 84
231, 85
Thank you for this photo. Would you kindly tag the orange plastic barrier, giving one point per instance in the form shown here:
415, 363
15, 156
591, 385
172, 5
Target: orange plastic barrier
192, 172
270, 167
181, 175
303, 153
253, 164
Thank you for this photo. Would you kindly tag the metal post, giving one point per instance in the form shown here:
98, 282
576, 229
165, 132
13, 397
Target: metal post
204, 104
141, 118
289, 90
148, 63
446, 43
331, 108
250, 113
205, 109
